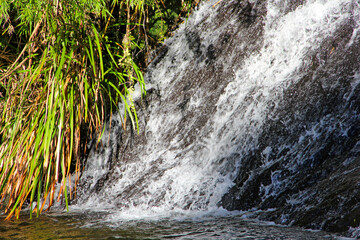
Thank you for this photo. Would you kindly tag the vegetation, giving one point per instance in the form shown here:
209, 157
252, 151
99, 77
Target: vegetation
64, 67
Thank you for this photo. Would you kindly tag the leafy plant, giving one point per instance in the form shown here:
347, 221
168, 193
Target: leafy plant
64, 67
57, 92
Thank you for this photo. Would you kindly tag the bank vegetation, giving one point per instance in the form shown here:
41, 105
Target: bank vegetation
65, 65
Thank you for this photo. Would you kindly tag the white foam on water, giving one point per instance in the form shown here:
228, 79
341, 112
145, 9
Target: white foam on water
195, 182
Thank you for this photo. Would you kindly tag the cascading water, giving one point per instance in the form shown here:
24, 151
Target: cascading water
243, 100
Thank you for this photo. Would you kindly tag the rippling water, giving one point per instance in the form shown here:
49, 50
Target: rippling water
91, 226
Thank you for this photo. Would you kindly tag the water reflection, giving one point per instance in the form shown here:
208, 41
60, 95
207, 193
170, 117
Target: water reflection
91, 226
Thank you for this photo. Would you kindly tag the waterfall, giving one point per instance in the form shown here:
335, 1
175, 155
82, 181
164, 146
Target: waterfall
240, 100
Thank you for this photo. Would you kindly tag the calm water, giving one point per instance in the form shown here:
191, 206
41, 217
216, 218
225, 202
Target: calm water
90, 226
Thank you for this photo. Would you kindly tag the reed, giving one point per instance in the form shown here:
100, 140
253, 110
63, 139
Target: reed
64, 67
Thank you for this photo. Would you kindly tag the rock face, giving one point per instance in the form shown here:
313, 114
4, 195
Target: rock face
311, 141
251, 105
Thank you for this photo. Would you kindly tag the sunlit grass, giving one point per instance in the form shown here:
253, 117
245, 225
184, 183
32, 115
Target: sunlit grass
65, 65
56, 94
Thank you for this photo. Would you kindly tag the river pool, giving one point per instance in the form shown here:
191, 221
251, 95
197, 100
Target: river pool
91, 226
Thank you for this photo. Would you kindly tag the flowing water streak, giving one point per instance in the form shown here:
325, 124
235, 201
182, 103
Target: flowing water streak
196, 177
290, 39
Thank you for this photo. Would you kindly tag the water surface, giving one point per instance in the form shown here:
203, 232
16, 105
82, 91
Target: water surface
91, 226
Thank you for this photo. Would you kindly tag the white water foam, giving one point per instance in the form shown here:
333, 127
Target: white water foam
196, 182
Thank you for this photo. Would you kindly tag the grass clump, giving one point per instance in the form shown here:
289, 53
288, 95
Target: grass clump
64, 67
66, 77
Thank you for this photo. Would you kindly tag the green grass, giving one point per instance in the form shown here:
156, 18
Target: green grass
65, 65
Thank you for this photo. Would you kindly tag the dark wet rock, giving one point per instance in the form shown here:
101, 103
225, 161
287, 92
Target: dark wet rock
304, 168
321, 190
